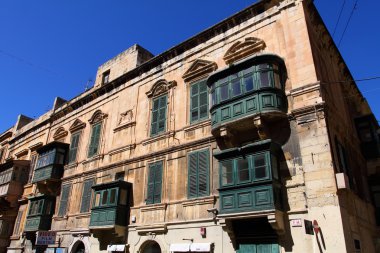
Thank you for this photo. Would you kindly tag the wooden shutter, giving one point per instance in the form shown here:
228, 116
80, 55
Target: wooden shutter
16, 230
198, 101
154, 183
198, 174
158, 115
94, 142
64, 198
74, 147
86, 195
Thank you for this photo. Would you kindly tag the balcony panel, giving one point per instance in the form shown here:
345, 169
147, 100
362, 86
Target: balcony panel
35, 223
269, 102
13, 188
51, 172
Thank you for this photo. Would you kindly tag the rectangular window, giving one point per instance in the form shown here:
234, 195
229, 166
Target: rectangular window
16, 230
198, 177
74, 147
46, 158
227, 172
243, 170
260, 167
64, 199
198, 101
154, 183
106, 77
86, 195
158, 115
93, 148
33, 160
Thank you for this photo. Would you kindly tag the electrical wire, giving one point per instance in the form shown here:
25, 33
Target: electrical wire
340, 14
348, 21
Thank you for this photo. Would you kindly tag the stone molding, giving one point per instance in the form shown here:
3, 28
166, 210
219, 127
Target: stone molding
241, 50
198, 69
158, 138
97, 117
60, 133
160, 87
77, 125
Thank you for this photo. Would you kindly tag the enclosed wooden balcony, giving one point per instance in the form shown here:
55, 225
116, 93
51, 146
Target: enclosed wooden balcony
51, 159
249, 178
111, 207
369, 135
248, 100
13, 177
41, 210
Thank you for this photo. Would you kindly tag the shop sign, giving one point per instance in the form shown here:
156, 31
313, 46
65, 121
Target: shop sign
45, 237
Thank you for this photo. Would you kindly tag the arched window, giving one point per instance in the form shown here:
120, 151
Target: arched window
151, 247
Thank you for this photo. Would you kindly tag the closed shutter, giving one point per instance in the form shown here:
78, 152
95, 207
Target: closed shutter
16, 230
198, 101
198, 174
74, 147
86, 195
94, 142
154, 183
64, 198
158, 115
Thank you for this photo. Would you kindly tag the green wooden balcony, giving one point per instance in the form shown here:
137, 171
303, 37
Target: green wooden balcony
111, 205
39, 222
41, 210
13, 176
51, 159
249, 178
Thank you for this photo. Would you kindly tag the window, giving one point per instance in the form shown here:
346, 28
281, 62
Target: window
158, 115
86, 195
46, 158
198, 101
246, 80
198, 177
64, 199
73, 150
343, 162
106, 197
93, 148
154, 183
33, 160
1, 154
106, 77
16, 230
248, 169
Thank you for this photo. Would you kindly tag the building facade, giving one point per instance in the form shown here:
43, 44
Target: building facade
249, 137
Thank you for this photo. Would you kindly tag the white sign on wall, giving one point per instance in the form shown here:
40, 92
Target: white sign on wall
45, 237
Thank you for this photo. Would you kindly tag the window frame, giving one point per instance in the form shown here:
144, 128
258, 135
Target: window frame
206, 151
91, 145
108, 192
155, 130
63, 210
199, 83
77, 134
152, 199
87, 200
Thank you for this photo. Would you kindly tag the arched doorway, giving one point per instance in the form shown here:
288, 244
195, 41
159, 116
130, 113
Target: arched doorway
151, 247
78, 248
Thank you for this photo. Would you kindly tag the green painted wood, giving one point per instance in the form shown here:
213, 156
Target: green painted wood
258, 102
198, 101
74, 147
158, 121
105, 216
259, 248
154, 183
86, 195
64, 199
198, 173
93, 148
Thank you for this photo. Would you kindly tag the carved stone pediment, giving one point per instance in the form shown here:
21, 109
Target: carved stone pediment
77, 125
243, 49
97, 116
60, 133
198, 69
160, 87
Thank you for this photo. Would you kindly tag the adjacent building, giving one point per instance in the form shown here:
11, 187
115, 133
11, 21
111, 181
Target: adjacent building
249, 137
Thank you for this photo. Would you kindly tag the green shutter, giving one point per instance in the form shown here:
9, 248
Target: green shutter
158, 115
74, 147
198, 174
198, 101
64, 198
154, 183
86, 195
94, 142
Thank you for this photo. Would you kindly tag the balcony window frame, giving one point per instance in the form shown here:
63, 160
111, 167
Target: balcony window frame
102, 194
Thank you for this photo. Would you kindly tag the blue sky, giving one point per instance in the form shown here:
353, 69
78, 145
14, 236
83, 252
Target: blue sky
52, 48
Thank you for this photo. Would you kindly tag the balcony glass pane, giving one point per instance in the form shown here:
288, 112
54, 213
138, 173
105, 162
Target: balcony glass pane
260, 167
227, 172
213, 97
264, 79
243, 170
248, 82
223, 92
277, 81
236, 89
104, 198
97, 199
112, 196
